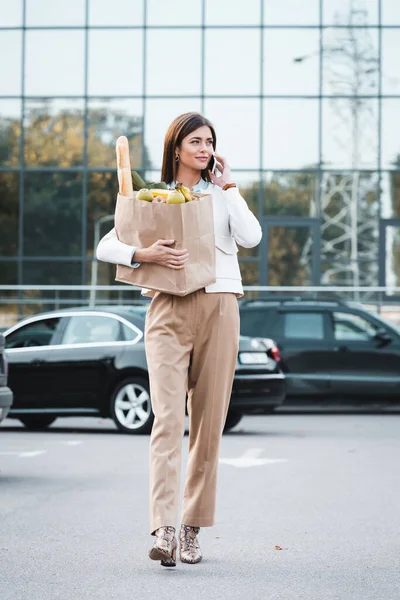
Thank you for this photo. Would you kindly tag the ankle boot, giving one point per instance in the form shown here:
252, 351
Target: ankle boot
164, 548
189, 545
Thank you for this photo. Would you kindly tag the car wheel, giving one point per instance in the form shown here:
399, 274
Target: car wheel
131, 406
232, 420
37, 421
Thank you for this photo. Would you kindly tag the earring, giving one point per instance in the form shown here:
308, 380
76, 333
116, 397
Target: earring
177, 157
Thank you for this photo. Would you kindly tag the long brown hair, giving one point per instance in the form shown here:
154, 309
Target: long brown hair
181, 127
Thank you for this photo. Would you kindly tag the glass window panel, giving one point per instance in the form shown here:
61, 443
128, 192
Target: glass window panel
226, 12
91, 330
350, 133
239, 72
164, 76
303, 326
390, 133
392, 256
174, 12
250, 273
390, 194
350, 62
248, 184
350, 228
237, 124
10, 132
348, 12
289, 255
117, 12
10, 69
159, 116
290, 136
39, 333
291, 61
352, 327
101, 198
9, 213
390, 61
10, 13
115, 62
52, 273
53, 214
290, 194
8, 276
59, 71
53, 133
291, 12
108, 119
55, 12
390, 12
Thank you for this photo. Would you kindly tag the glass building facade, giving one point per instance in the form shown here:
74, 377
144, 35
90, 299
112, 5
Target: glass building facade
305, 98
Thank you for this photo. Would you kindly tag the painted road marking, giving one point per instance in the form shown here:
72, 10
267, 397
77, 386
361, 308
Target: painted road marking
251, 459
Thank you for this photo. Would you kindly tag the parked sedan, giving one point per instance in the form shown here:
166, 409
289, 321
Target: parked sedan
92, 362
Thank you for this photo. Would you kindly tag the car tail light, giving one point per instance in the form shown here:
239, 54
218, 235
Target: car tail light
274, 351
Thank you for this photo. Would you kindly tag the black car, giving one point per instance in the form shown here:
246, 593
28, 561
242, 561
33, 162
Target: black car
87, 361
6, 396
331, 350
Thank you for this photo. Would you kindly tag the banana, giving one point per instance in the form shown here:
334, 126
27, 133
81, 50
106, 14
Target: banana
185, 191
159, 192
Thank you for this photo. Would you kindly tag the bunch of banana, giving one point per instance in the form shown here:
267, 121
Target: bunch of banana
185, 191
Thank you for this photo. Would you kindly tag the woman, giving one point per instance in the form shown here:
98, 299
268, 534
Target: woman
191, 343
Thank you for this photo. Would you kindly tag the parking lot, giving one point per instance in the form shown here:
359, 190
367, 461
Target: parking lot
307, 509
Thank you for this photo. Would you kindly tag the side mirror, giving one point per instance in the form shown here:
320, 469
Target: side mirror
383, 337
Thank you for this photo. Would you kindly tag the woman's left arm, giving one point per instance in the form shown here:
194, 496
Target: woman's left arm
244, 226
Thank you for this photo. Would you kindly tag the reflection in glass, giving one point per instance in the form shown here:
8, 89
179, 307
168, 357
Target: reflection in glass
10, 69
249, 272
291, 61
350, 61
10, 13
9, 213
117, 12
101, 198
237, 125
53, 133
174, 12
57, 12
293, 12
348, 12
52, 273
290, 194
390, 62
52, 215
108, 119
159, 116
226, 12
115, 62
290, 134
390, 12
9, 276
390, 194
240, 72
392, 256
289, 255
10, 131
164, 75
54, 63
390, 133
350, 133
350, 221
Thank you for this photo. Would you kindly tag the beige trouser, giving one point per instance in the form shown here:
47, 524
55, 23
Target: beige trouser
191, 346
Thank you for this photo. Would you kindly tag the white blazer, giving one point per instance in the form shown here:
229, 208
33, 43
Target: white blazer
234, 224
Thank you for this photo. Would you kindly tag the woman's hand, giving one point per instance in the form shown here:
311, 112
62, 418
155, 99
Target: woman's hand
224, 169
161, 254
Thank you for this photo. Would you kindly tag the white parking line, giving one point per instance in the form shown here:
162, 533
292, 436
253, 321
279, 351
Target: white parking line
72, 443
24, 454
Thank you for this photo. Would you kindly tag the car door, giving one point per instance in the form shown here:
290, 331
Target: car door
306, 350
29, 348
365, 365
86, 359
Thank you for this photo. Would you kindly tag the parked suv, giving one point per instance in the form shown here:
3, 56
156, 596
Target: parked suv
6, 397
330, 349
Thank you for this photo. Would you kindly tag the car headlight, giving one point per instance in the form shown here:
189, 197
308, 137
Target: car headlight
253, 358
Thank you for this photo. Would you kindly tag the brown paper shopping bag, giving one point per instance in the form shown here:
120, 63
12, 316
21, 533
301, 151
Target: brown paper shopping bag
191, 225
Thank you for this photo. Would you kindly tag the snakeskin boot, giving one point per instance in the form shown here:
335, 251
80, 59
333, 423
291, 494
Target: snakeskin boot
189, 545
164, 548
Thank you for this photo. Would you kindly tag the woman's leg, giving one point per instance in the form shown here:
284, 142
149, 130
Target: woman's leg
168, 348
210, 384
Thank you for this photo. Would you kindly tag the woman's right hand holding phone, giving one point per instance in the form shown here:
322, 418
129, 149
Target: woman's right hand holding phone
161, 254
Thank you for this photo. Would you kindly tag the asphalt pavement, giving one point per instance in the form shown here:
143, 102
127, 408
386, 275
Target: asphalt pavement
308, 508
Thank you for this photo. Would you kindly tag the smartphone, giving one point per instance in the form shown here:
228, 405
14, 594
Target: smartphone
214, 165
